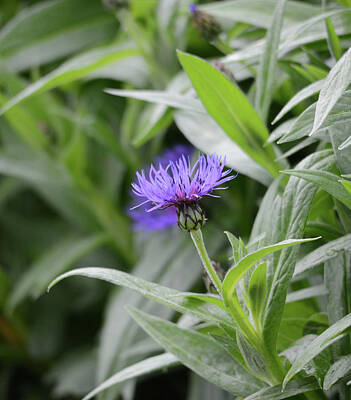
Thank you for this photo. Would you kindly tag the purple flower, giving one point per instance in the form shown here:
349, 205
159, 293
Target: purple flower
159, 220
192, 7
182, 186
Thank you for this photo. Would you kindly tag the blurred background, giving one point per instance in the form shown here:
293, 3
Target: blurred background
68, 153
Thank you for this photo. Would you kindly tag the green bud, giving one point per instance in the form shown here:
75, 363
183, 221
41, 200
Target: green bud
190, 216
207, 26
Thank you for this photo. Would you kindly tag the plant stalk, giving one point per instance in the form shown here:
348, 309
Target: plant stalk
206, 262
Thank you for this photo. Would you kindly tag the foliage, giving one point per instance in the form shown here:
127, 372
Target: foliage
92, 91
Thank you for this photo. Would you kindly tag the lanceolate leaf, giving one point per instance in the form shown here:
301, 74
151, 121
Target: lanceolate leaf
292, 389
329, 336
238, 271
334, 86
50, 30
295, 207
303, 94
230, 108
153, 291
267, 69
337, 371
322, 254
200, 353
76, 68
326, 181
142, 368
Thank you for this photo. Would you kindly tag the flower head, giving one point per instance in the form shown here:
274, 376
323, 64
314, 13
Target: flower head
206, 25
181, 185
159, 220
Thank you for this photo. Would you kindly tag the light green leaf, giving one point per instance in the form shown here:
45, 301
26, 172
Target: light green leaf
200, 353
292, 216
322, 254
237, 272
141, 368
337, 371
328, 337
340, 115
259, 12
277, 393
265, 81
257, 291
230, 108
336, 280
333, 40
75, 68
324, 180
303, 94
62, 27
153, 291
53, 262
167, 98
334, 86
347, 185
313, 291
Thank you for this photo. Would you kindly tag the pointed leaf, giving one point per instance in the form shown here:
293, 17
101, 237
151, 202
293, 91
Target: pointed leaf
230, 108
334, 86
153, 291
328, 337
141, 368
200, 353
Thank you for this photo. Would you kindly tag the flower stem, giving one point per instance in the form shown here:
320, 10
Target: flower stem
198, 240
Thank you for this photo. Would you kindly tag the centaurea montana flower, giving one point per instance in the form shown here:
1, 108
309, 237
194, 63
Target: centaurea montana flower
182, 186
159, 220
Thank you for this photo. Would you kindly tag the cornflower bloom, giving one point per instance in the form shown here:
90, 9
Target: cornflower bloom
182, 186
159, 220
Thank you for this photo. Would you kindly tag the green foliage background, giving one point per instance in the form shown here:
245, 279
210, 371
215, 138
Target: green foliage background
92, 91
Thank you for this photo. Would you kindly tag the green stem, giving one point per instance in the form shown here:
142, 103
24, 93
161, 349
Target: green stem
206, 262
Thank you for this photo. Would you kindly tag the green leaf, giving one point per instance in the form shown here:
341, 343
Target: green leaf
302, 294
340, 115
292, 389
328, 337
292, 216
75, 68
324, 180
200, 353
322, 254
334, 87
337, 280
302, 95
53, 262
347, 185
337, 371
207, 136
333, 40
154, 119
257, 291
168, 98
165, 262
258, 13
161, 294
62, 27
141, 368
237, 272
230, 108
267, 69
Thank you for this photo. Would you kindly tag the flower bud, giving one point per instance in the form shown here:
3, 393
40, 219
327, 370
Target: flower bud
207, 26
190, 216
